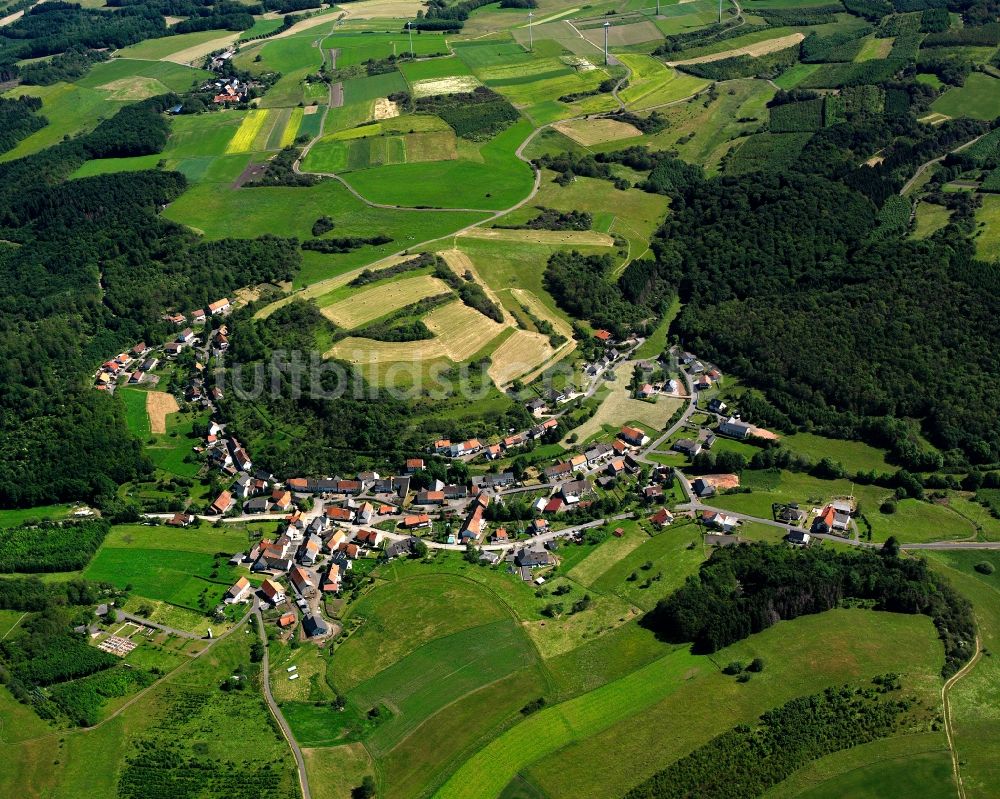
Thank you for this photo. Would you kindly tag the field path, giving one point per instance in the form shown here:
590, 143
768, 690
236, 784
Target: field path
949, 732
276, 711
12, 18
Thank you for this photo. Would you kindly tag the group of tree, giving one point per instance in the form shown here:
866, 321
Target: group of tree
744, 589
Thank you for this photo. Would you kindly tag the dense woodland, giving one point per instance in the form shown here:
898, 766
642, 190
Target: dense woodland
95, 270
741, 590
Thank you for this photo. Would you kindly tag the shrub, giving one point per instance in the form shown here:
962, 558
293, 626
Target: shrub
735, 667
888, 507
985, 567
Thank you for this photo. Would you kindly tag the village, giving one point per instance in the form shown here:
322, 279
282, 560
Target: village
510, 518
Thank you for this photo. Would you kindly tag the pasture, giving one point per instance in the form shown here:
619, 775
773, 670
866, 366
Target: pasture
988, 235
801, 656
654, 84
400, 616
979, 98
165, 76
596, 131
855, 456
179, 48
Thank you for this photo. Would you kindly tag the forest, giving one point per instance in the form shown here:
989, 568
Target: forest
741, 590
19, 118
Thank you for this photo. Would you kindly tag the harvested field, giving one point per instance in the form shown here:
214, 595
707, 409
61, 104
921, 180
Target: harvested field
758, 49
518, 355
191, 54
378, 301
537, 307
385, 108
382, 9
459, 333
252, 172
309, 110
452, 85
462, 331
596, 131
590, 238
158, 405
460, 263
336, 97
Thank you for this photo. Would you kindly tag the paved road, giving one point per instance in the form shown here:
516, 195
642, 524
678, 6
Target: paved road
276, 711
927, 164
688, 411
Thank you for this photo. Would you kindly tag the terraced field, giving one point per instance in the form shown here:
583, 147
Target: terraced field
369, 304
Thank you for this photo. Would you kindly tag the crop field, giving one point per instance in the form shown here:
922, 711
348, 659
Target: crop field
491, 178
754, 49
519, 355
450, 84
163, 49
459, 333
369, 304
245, 139
347, 154
709, 702
979, 98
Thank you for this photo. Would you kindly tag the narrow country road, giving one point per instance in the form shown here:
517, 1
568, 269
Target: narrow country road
276, 711
692, 406
928, 164
948, 729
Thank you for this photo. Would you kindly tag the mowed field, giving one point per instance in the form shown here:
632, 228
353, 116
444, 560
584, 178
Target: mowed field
654, 84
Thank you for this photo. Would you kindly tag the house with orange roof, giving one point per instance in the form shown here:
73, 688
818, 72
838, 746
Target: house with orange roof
222, 503
414, 465
662, 518
219, 306
604, 336
338, 514
272, 591
633, 436
239, 591
301, 580
286, 620
331, 580
417, 521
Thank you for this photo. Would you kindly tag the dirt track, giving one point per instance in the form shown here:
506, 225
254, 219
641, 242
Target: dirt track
758, 49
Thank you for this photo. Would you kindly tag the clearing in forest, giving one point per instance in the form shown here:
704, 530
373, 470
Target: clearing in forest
158, 405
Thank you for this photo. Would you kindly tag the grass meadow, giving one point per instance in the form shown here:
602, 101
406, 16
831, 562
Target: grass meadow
979, 98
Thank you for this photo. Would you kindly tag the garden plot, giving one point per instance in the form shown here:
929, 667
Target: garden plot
596, 131
381, 300
450, 85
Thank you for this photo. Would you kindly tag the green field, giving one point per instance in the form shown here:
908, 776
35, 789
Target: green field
988, 241
490, 178
173, 77
654, 84
155, 49
854, 456
560, 744
979, 98
176, 576
136, 417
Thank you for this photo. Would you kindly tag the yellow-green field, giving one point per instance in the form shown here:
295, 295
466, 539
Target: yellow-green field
369, 304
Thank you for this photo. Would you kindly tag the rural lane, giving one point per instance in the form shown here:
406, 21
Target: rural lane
927, 164
276, 711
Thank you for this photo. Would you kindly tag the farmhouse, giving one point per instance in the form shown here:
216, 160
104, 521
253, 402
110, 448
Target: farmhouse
430, 498
219, 307
238, 591
272, 592
474, 522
